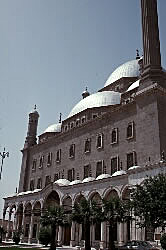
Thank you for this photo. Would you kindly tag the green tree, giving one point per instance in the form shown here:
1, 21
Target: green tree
2, 232
163, 241
53, 217
86, 213
115, 211
149, 202
45, 235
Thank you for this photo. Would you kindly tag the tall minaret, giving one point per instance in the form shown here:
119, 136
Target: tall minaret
32, 129
152, 70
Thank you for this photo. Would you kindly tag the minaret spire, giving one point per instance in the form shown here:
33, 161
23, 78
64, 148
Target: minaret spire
32, 128
152, 70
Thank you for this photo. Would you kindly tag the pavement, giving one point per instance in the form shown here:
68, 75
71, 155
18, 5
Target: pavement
25, 245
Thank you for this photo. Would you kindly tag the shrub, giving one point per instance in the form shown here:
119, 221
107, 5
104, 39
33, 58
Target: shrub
163, 241
44, 236
16, 236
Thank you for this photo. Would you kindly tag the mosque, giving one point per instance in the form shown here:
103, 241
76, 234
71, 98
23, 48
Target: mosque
110, 141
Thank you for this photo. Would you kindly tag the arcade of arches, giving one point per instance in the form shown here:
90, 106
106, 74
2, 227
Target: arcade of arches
27, 218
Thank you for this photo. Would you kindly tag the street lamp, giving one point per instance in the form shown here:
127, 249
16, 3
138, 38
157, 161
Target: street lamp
3, 156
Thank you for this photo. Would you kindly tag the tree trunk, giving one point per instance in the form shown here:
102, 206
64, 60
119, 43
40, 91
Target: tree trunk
53, 238
111, 245
1, 236
87, 236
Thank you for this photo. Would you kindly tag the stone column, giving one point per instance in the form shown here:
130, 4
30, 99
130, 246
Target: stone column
60, 231
31, 229
80, 233
22, 226
73, 229
76, 233
103, 235
3, 220
121, 233
133, 229
92, 230
14, 222
8, 225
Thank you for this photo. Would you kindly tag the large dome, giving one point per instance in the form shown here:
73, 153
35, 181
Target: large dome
54, 128
98, 99
128, 69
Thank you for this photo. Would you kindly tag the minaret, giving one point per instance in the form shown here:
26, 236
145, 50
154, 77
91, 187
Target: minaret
152, 70
32, 129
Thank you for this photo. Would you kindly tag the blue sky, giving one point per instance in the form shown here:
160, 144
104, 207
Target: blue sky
50, 50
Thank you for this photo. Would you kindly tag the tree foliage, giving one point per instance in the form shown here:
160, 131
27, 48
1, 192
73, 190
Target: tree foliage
45, 235
115, 211
149, 202
53, 217
163, 241
86, 213
2, 232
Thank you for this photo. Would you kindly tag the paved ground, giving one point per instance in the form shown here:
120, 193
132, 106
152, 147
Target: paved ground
23, 245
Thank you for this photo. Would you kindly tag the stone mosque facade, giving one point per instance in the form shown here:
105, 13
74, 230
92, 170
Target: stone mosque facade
111, 140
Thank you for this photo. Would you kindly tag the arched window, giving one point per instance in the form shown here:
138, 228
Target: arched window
131, 159
87, 146
71, 174
99, 168
48, 180
130, 130
34, 165
72, 151
39, 183
87, 171
114, 136
114, 164
58, 155
49, 159
99, 141
32, 186
41, 161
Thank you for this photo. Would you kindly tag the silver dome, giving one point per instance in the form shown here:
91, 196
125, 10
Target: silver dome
99, 99
133, 85
119, 172
133, 167
75, 182
128, 69
88, 179
103, 176
54, 128
62, 182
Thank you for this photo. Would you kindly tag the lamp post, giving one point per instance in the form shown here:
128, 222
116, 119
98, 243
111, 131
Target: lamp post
3, 156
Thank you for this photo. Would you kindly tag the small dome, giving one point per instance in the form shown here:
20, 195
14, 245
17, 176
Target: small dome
21, 193
103, 176
36, 190
120, 172
75, 182
128, 69
99, 99
88, 179
133, 85
133, 167
54, 128
62, 182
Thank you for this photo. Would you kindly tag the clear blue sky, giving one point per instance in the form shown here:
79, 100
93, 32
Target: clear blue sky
50, 50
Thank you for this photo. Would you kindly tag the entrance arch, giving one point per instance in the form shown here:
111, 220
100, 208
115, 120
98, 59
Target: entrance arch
51, 200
